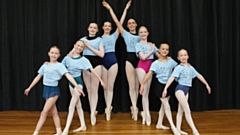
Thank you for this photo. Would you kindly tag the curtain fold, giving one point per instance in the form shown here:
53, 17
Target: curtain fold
208, 29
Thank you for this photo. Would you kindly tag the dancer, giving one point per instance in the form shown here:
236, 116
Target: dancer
145, 51
75, 65
131, 39
110, 66
51, 72
163, 68
184, 73
94, 52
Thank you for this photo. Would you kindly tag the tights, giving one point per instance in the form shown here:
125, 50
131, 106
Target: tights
75, 102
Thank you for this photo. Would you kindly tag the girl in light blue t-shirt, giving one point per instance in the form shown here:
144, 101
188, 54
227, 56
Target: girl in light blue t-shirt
131, 39
75, 65
163, 68
183, 74
52, 72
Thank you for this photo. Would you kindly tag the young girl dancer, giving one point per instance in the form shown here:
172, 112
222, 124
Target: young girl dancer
131, 39
184, 73
75, 65
110, 66
145, 51
51, 72
163, 68
94, 52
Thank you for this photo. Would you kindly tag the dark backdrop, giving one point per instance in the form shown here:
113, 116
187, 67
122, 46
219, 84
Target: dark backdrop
208, 29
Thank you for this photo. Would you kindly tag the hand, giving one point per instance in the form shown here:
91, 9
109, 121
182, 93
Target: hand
164, 93
46, 62
141, 89
106, 5
153, 46
128, 4
80, 90
209, 89
87, 44
71, 53
27, 91
103, 84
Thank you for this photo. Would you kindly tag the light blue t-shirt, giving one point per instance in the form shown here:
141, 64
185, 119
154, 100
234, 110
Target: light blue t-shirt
163, 70
130, 40
109, 43
184, 74
76, 65
95, 43
52, 73
145, 48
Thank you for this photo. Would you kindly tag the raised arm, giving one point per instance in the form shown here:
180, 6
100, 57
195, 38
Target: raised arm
34, 82
201, 78
99, 78
169, 82
119, 24
146, 77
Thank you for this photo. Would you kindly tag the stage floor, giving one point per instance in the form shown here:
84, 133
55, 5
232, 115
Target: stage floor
220, 122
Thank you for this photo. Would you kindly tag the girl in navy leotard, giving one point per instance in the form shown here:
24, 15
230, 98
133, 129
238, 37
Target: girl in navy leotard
184, 73
130, 38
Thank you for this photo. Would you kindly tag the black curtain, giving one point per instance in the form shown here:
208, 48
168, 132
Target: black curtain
208, 29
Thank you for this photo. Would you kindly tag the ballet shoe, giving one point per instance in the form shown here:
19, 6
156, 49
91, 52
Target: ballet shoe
196, 133
148, 118
162, 127
134, 111
64, 133
93, 118
175, 131
58, 134
108, 111
182, 132
143, 117
80, 129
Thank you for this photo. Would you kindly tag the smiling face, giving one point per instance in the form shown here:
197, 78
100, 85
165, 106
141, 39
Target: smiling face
54, 54
163, 49
143, 32
79, 46
131, 24
183, 56
107, 27
92, 29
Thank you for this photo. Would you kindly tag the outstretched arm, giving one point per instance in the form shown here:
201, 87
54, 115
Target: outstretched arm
201, 78
71, 79
169, 82
34, 82
99, 78
146, 77
119, 24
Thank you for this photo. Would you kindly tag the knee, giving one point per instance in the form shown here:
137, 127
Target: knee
54, 112
44, 114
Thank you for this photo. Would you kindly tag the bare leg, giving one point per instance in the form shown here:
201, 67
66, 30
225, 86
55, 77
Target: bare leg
47, 107
108, 92
133, 88
183, 101
92, 84
56, 119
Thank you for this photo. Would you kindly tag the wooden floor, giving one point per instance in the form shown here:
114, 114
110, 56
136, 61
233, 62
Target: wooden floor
221, 122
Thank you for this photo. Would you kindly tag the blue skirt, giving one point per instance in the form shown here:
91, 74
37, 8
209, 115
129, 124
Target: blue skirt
51, 91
